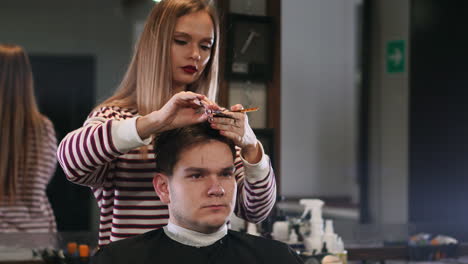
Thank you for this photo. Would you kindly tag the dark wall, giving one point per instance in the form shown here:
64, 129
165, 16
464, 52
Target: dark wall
438, 183
64, 87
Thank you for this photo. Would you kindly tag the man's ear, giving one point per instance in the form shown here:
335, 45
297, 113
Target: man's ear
161, 186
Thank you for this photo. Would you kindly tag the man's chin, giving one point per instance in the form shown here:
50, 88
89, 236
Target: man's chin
213, 225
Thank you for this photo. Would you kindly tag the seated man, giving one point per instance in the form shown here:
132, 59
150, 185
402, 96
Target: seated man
195, 179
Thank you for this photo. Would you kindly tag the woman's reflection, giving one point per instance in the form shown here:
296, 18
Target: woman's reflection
27, 149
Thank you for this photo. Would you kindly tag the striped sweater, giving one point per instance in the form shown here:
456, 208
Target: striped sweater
32, 211
107, 155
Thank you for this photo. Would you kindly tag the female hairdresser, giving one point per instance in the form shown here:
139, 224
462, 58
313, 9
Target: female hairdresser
171, 82
27, 149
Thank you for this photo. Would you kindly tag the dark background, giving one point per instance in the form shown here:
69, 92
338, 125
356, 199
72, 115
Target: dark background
438, 150
64, 88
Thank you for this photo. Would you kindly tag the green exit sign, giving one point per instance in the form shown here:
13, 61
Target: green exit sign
395, 56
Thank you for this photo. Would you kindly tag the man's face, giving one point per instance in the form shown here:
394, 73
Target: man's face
202, 189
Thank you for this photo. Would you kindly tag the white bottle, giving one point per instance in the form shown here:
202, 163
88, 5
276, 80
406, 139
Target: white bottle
330, 237
293, 239
252, 229
339, 245
314, 206
281, 230
313, 243
342, 253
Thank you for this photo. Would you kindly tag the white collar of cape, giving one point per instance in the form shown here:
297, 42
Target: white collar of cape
193, 238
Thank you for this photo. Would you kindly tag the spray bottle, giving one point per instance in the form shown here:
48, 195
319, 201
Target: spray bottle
313, 243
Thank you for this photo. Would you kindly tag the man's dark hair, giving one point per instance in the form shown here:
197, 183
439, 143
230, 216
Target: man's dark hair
169, 144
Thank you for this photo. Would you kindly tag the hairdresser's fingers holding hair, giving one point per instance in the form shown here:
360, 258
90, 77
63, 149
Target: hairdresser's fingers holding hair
233, 125
183, 109
236, 127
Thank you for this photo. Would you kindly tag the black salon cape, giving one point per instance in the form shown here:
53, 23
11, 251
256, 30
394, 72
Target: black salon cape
156, 247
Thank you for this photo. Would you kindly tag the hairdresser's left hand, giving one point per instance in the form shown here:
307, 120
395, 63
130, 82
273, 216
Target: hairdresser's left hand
237, 128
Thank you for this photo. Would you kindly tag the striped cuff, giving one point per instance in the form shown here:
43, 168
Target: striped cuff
258, 171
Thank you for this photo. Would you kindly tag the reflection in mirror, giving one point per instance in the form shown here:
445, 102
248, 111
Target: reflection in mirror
78, 50
27, 149
81, 59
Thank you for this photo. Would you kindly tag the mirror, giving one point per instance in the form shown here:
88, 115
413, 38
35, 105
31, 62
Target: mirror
80, 50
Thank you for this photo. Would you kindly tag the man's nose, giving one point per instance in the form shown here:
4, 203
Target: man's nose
216, 189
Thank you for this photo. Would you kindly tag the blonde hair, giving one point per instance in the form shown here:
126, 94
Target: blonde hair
147, 84
19, 117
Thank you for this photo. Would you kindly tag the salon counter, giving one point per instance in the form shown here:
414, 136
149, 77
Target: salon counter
22, 262
356, 251
381, 253
19, 248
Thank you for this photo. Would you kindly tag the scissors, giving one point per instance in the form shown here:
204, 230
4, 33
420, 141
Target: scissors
221, 113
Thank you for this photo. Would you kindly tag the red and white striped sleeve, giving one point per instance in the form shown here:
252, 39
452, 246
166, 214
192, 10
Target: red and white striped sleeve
86, 153
256, 188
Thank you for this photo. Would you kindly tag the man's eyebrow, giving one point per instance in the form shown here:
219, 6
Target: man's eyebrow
196, 169
230, 168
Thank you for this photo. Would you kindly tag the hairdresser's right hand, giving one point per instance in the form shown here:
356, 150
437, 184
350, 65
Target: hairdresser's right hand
183, 109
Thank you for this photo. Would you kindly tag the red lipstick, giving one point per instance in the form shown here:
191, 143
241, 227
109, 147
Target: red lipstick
190, 69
